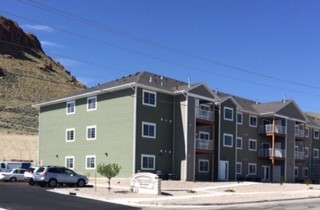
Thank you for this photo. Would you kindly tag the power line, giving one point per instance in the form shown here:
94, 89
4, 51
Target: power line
152, 43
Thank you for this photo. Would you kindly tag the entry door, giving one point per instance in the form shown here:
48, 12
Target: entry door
276, 173
223, 170
265, 173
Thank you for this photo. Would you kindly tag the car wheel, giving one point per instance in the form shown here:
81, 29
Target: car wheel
42, 184
52, 183
31, 182
13, 179
81, 183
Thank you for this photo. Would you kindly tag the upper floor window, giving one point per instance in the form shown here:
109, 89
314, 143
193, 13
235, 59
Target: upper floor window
71, 107
228, 113
92, 103
239, 118
90, 162
148, 162
203, 166
239, 143
204, 135
149, 98
316, 134
307, 132
253, 121
227, 140
148, 130
70, 134
91, 132
252, 144
69, 162
315, 153
306, 151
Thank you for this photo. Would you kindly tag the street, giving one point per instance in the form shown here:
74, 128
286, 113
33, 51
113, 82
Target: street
16, 196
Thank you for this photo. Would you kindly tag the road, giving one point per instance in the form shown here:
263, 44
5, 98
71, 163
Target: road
16, 196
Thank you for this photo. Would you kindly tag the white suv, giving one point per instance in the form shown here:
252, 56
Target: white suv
54, 175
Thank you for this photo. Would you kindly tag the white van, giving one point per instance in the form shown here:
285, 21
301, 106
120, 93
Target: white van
6, 166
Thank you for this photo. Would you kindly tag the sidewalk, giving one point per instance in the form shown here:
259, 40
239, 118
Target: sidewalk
195, 194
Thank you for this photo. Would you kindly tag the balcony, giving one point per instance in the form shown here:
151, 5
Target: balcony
203, 114
299, 133
268, 129
204, 144
267, 153
299, 155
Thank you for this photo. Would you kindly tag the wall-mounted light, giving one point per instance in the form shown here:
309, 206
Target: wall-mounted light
106, 154
57, 156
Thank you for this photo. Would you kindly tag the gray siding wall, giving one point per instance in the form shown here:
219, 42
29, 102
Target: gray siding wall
289, 173
114, 123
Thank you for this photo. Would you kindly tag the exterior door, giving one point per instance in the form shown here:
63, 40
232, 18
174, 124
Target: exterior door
265, 173
276, 173
223, 170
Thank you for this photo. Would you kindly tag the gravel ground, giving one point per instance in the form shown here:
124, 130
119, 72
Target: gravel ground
195, 193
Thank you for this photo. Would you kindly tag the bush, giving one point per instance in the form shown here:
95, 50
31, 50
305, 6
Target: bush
110, 170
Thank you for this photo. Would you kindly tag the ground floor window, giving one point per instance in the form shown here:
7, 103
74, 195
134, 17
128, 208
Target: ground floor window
203, 166
90, 162
148, 162
69, 162
295, 171
239, 168
252, 169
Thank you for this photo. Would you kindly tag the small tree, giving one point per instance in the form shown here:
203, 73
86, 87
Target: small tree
110, 170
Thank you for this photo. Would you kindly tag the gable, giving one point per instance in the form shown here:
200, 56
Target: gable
202, 90
291, 110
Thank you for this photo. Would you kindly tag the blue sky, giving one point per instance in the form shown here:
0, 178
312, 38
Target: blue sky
261, 50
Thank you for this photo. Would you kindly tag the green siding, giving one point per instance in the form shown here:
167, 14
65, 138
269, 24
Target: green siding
114, 120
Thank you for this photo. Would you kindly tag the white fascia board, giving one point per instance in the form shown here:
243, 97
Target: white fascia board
154, 89
84, 95
272, 114
201, 97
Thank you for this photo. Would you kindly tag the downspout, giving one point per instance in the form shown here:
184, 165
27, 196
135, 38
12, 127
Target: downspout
273, 145
219, 138
173, 135
236, 152
134, 140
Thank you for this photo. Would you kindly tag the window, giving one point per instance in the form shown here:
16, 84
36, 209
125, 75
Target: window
307, 132
306, 151
90, 162
203, 166
228, 113
295, 171
70, 134
148, 130
239, 168
239, 143
316, 134
306, 171
92, 103
315, 153
69, 162
148, 162
253, 121
252, 169
149, 98
204, 135
71, 107
239, 118
91, 132
253, 144
227, 140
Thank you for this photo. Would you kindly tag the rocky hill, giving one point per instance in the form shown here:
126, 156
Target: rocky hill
27, 76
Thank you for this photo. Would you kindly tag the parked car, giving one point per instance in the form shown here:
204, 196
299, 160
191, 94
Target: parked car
54, 175
29, 174
13, 175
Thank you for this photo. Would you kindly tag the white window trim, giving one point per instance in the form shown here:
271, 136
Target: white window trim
154, 162
155, 98
74, 134
314, 134
224, 113
65, 162
241, 142
304, 172
87, 128
150, 124
96, 104
306, 154
253, 140
255, 166
316, 156
240, 123
74, 107
205, 133
226, 134
253, 116
203, 160
95, 162
239, 163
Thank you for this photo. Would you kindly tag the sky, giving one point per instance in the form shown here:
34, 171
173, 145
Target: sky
265, 50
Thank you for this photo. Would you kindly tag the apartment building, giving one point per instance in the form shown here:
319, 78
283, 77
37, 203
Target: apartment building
151, 123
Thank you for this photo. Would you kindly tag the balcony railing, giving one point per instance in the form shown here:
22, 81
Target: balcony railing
268, 129
204, 144
204, 114
299, 155
299, 133
267, 153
